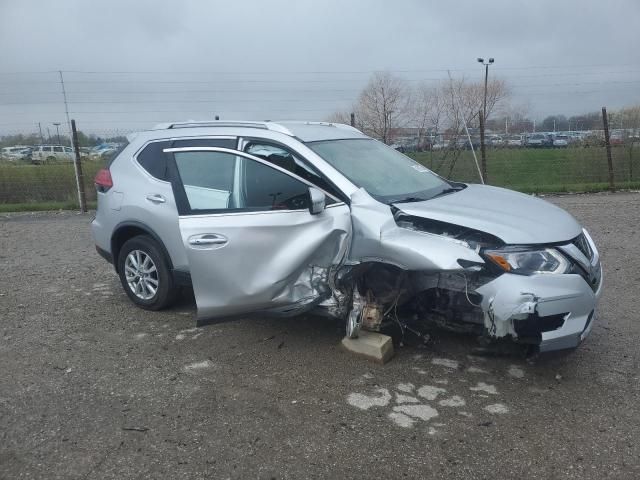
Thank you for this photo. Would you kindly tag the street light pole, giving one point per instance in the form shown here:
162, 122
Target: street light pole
483, 120
58, 131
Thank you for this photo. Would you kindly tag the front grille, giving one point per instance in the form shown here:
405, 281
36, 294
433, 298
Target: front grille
583, 245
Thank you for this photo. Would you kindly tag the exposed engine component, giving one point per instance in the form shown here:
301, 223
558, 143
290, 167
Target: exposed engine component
372, 313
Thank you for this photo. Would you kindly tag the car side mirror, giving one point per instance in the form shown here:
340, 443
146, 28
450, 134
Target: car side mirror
316, 201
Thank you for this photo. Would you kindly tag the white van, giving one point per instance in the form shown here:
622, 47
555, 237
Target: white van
51, 153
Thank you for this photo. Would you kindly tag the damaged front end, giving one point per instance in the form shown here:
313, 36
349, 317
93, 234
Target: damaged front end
416, 272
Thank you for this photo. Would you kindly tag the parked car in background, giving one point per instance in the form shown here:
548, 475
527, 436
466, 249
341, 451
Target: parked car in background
514, 141
560, 141
294, 217
103, 151
495, 141
51, 154
440, 145
537, 140
616, 137
16, 153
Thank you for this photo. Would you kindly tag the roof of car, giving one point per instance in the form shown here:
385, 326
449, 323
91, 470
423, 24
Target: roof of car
304, 131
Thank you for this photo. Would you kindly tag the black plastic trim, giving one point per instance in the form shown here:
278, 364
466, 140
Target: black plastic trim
104, 254
182, 278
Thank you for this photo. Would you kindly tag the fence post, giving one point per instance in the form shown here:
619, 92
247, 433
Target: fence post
607, 143
353, 119
82, 197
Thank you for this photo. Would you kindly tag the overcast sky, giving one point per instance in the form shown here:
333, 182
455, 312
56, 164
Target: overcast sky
131, 64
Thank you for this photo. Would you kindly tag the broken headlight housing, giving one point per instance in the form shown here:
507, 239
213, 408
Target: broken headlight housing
529, 261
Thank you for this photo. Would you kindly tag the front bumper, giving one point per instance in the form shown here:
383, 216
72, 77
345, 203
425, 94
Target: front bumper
555, 312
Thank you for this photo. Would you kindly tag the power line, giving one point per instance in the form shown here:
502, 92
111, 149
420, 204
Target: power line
339, 72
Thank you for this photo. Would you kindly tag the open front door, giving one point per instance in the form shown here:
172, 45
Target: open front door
251, 240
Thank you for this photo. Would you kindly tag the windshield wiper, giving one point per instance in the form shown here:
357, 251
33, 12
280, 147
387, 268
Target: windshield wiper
408, 200
447, 190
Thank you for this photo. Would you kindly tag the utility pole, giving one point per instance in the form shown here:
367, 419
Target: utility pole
483, 119
41, 136
353, 119
66, 105
81, 201
57, 124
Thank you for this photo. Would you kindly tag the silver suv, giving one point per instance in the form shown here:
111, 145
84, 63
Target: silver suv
285, 218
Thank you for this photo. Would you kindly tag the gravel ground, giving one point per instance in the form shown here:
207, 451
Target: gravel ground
93, 387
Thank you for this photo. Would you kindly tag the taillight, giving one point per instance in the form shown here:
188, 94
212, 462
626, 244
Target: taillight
103, 180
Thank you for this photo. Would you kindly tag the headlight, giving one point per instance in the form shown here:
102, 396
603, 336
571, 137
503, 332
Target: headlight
529, 262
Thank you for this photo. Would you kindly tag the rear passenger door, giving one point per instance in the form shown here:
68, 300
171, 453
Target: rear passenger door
154, 196
251, 240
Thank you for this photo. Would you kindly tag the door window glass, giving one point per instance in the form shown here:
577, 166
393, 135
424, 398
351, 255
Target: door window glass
224, 181
268, 189
285, 159
207, 178
58, 149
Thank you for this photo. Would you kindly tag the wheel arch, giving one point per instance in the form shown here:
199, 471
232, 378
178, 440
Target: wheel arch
129, 229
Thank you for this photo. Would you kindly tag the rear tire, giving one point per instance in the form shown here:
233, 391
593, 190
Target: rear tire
145, 275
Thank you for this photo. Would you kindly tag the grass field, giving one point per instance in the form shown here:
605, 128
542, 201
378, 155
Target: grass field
541, 170
52, 187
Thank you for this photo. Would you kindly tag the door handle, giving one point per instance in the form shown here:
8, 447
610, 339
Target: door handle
207, 239
155, 198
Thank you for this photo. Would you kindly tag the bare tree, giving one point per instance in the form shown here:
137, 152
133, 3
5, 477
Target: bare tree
339, 116
428, 110
465, 99
383, 105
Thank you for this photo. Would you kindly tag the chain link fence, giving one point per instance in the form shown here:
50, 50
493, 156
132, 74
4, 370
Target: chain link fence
42, 176
46, 181
574, 168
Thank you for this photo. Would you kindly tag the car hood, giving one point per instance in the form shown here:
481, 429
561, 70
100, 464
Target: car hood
513, 217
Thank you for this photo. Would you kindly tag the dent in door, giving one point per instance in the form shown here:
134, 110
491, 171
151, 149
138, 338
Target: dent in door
276, 261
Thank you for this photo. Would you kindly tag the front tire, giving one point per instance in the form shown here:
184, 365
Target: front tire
144, 273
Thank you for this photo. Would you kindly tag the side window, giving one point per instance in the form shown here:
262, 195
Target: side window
153, 159
68, 150
207, 178
58, 149
287, 160
46, 149
268, 189
224, 181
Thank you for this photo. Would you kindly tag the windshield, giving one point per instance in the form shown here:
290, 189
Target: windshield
384, 173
